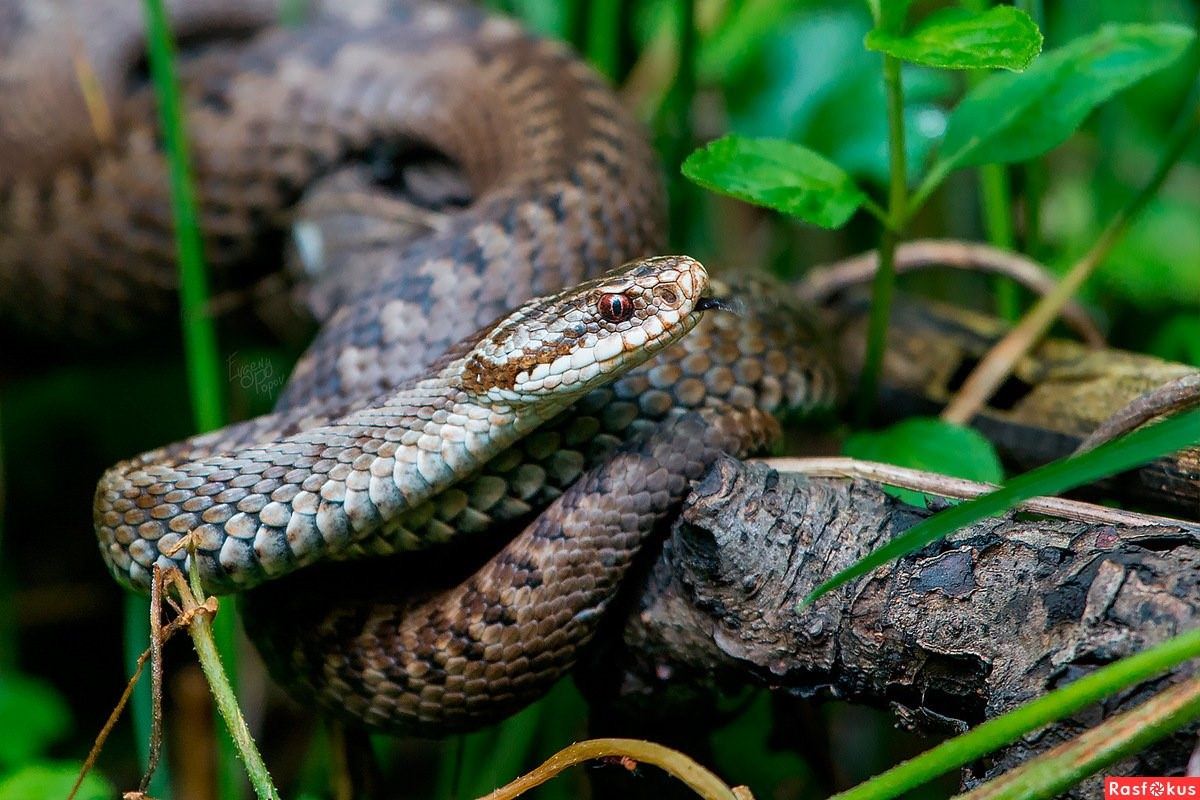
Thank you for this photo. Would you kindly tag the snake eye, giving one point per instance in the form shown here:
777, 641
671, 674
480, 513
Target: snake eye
615, 307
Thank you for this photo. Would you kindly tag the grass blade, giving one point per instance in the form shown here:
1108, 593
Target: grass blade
1059, 476
199, 336
1005, 729
1052, 773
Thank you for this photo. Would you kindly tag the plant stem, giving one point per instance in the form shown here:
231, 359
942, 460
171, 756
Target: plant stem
603, 36
697, 778
1000, 731
137, 640
675, 122
200, 630
885, 278
1034, 170
999, 361
996, 200
199, 335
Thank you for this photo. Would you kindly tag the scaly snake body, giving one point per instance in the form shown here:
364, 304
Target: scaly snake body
373, 450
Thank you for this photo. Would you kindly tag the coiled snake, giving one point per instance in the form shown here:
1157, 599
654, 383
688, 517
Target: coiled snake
439, 167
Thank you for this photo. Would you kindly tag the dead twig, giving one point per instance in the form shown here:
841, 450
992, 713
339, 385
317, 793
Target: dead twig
825, 281
631, 752
963, 489
1176, 395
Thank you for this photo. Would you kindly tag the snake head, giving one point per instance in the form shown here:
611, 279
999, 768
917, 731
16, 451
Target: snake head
569, 343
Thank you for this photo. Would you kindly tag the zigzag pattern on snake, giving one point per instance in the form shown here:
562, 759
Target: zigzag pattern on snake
511, 171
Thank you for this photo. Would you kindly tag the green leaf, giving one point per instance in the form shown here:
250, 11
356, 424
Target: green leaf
1111, 458
53, 779
777, 174
1011, 118
1001, 37
32, 717
929, 444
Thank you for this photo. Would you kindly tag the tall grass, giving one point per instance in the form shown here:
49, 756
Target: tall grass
199, 336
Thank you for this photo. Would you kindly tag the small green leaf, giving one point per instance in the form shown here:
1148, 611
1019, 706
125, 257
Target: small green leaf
53, 779
1009, 118
777, 174
929, 444
1002, 37
32, 717
1138, 447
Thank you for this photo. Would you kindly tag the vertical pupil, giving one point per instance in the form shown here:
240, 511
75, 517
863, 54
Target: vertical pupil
616, 307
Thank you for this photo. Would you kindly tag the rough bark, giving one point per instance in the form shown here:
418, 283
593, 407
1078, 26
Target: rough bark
966, 629
1057, 395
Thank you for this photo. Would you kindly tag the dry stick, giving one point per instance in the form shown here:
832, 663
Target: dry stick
962, 489
824, 281
999, 361
631, 752
156, 680
88, 763
109, 724
1176, 395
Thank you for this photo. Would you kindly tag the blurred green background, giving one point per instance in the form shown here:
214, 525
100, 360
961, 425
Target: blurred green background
788, 69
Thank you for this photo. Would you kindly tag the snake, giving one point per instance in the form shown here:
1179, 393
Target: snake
452, 194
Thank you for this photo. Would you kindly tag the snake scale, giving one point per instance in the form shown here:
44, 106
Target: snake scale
437, 168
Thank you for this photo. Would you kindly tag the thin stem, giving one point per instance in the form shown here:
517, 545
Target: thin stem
200, 629
1034, 170
675, 121
885, 278
137, 641
823, 281
199, 337
999, 361
962, 489
697, 778
604, 36
996, 199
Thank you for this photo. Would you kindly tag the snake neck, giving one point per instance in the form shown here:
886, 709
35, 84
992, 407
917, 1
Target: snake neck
266, 509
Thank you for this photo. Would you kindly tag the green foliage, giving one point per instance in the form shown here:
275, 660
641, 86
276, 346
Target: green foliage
955, 38
777, 174
743, 753
929, 444
1011, 118
1156, 265
53, 779
1179, 340
32, 717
